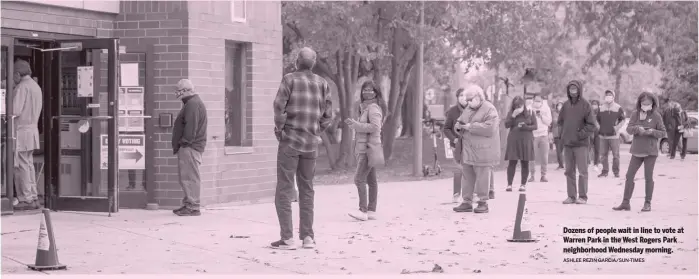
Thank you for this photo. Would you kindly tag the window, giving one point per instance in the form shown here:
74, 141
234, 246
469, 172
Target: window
238, 10
238, 94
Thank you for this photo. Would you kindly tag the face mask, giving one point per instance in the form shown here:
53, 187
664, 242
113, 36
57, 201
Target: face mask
646, 107
474, 103
537, 105
528, 103
179, 94
595, 107
609, 99
573, 91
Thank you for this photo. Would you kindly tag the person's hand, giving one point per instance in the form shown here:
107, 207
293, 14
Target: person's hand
467, 126
680, 127
458, 126
455, 141
520, 125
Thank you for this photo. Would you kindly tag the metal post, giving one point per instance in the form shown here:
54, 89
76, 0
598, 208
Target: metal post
419, 100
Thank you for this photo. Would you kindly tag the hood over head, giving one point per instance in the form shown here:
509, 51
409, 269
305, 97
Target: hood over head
578, 84
652, 97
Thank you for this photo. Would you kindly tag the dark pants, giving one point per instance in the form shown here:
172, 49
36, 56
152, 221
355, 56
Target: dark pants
512, 166
594, 151
605, 146
559, 151
290, 162
674, 139
366, 176
188, 162
648, 166
576, 157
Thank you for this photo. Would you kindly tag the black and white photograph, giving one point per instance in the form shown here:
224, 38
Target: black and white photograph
359, 138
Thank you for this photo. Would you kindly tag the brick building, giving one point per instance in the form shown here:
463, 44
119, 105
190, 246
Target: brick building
232, 52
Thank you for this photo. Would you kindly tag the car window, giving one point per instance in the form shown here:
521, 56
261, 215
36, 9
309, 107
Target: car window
692, 122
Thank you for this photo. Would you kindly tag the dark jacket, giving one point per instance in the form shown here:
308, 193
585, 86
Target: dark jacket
451, 116
645, 143
555, 128
576, 119
190, 125
609, 116
671, 115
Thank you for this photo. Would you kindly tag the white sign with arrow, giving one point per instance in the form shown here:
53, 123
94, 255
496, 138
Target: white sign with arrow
132, 150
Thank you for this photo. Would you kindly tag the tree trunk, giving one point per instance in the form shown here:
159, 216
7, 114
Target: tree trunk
406, 116
617, 86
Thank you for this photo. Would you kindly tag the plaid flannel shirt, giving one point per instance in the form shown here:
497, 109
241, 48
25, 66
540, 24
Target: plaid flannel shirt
302, 110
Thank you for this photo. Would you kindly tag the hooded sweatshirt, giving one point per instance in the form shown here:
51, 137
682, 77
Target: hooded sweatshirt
610, 117
543, 120
451, 116
576, 120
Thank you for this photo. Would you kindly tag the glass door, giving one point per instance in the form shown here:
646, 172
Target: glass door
83, 156
7, 138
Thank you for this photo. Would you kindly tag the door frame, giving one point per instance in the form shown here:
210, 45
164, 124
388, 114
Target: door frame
8, 168
110, 203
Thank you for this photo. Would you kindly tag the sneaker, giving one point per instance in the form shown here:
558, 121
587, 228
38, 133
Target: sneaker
456, 198
33, 205
188, 212
179, 209
522, 188
371, 215
361, 216
509, 188
646, 207
531, 178
623, 206
560, 168
616, 175
543, 179
603, 174
569, 201
581, 201
308, 243
464, 207
491, 194
283, 244
481, 208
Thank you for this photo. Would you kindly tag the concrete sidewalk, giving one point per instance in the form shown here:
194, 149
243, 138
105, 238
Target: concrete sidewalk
415, 230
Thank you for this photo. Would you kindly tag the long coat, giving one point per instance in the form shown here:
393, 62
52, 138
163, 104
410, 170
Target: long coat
481, 141
27, 107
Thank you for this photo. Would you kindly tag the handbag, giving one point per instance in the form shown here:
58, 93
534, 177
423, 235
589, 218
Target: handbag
688, 133
375, 154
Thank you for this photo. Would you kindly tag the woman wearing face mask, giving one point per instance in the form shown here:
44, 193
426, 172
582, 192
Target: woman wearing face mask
556, 132
372, 109
647, 127
520, 141
594, 139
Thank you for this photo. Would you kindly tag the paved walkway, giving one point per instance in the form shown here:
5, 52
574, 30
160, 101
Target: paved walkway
416, 230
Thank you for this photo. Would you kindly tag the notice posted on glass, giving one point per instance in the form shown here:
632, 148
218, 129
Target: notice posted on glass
618, 244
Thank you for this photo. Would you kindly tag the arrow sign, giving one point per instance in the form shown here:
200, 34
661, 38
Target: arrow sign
132, 155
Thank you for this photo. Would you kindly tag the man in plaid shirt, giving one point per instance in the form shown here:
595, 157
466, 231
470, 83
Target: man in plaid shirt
302, 111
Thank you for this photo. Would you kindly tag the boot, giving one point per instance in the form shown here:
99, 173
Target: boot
464, 207
646, 207
482, 207
625, 206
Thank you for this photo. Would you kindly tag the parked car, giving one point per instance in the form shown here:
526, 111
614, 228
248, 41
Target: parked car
692, 144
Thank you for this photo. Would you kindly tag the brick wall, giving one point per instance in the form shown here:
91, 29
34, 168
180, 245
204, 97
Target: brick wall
37, 17
162, 24
237, 173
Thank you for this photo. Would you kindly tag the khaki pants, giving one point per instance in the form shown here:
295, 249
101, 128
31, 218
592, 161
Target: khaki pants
188, 162
25, 176
475, 179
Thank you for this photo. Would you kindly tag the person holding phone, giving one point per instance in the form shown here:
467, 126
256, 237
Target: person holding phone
542, 113
372, 109
520, 141
647, 127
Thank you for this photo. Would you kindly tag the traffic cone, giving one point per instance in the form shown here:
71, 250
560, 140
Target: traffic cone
520, 235
46, 253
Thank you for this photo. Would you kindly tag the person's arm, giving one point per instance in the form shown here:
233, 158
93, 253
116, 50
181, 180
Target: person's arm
486, 128
327, 118
20, 99
561, 113
590, 125
279, 105
191, 121
449, 127
676, 115
659, 130
620, 120
374, 124
546, 116
531, 124
509, 120
633, 128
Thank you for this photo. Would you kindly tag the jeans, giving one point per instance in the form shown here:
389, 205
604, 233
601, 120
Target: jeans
541, 155
302, 164
594, 151
512, 166
25, 176
605, 146
674, 137
475, 179
648, 166
366, 176
188, 162
559, 151
576, 157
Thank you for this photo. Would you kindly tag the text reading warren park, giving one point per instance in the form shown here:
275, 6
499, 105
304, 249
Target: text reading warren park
629, 240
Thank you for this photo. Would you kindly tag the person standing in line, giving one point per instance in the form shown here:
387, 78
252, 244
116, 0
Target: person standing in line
647, 126
610, 118
542, 114
372, 109
673, 122
520, 141
451, 117
27, 106
189, 143
556, 132
594, 139
578, 123
685, 125
480, 134
302, 111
